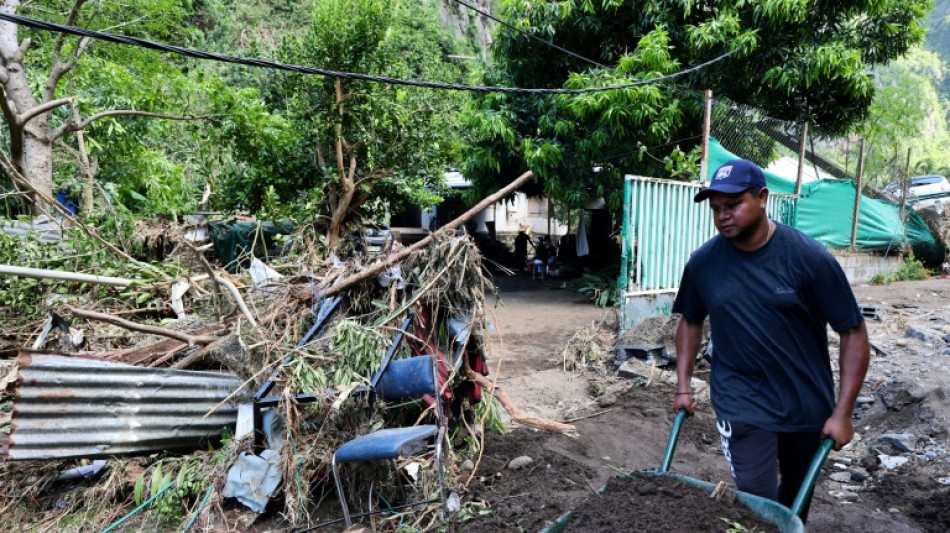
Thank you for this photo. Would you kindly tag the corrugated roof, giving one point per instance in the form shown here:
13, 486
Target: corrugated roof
41, 228
71, 407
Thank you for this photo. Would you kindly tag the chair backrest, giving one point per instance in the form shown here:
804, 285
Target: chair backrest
404, 378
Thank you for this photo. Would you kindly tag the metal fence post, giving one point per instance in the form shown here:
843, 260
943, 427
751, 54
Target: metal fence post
801, 159
857, 197
704, 160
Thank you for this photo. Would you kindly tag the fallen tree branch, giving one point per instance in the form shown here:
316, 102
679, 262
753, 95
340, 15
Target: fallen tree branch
516, 414
237, 299
191, 340
168, 355
194, 358
592, 415
21, 181
455, 224
139, 354
216, 295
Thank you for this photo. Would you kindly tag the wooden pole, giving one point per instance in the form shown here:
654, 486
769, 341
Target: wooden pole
704, 160
801, 159
905, 190
857, 197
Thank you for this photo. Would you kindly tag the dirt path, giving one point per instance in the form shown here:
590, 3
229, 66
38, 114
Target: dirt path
630, 423
533, 320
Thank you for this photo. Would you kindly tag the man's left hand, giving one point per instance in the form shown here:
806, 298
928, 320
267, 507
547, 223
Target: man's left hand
838, 428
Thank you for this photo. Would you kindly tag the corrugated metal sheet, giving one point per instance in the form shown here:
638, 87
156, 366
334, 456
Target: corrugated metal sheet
41, 228
71, 407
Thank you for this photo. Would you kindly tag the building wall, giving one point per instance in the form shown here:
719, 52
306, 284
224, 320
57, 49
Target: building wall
510, 217
860, 267
522, 211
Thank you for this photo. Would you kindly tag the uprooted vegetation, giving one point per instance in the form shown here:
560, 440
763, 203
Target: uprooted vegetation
289, 331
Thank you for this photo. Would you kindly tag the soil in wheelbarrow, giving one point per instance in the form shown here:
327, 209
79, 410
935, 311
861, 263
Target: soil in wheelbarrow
658, 503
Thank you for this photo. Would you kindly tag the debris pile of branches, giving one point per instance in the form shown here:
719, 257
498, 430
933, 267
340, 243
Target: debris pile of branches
311, 340
590, 348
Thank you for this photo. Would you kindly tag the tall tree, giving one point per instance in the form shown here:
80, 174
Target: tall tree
796, 59
375, 146
34, 67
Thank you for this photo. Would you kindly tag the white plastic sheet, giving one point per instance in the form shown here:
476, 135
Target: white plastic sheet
582, 248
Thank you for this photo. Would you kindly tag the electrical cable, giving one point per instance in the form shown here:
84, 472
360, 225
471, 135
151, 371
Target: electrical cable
198, 54
526, 34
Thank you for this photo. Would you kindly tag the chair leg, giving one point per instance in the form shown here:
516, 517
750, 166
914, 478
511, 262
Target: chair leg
399, 481
339, 491
438, 464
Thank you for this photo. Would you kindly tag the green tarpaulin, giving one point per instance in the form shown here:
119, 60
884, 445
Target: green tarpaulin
826, 209
234, 240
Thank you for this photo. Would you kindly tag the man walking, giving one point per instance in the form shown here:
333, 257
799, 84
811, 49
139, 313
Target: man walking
769, 292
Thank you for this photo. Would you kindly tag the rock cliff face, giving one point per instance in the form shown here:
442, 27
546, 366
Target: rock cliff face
467, 24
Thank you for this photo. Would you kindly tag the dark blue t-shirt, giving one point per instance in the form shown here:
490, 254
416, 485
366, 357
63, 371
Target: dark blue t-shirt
768, 311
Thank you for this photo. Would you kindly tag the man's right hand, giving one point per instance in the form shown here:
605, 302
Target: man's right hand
684, 401
688, 337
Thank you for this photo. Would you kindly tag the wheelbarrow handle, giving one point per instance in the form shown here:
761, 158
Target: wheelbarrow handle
808, 483
811, 477
671, 444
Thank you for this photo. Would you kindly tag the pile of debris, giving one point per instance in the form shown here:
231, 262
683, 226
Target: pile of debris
235, 408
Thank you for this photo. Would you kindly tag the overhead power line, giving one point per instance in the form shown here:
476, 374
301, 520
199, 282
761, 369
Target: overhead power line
198, 54
526, 34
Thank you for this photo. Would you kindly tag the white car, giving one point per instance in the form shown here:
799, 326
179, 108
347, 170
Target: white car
920, 186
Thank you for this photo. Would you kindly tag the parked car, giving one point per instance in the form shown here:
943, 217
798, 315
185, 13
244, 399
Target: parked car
920, 186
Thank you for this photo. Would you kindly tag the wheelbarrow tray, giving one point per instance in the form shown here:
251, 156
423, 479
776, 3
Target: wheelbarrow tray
785, 518
768, 510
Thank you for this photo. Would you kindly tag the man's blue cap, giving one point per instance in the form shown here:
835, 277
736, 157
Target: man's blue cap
734, 177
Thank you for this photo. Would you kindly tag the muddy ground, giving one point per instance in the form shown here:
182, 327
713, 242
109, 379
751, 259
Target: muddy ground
623, 425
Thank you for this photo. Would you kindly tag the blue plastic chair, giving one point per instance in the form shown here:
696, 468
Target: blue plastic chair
403, 378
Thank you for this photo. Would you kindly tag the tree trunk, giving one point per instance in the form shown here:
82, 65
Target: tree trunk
89, 173
346, 181
38, 159
31, 148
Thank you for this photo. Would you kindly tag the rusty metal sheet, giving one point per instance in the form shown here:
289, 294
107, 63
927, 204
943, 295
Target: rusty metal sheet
70, 407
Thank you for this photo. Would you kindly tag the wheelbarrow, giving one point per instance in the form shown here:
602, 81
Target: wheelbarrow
788, 520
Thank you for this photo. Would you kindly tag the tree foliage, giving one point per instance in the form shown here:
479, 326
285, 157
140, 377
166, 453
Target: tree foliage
796, 59
57, 85
366, 147
907, 113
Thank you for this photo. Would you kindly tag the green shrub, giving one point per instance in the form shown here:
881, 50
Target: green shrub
600, 287
910, 269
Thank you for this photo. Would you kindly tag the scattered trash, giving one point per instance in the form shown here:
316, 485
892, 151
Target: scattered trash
262, 275
891, 462
253, 479
412, 469
453, 503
